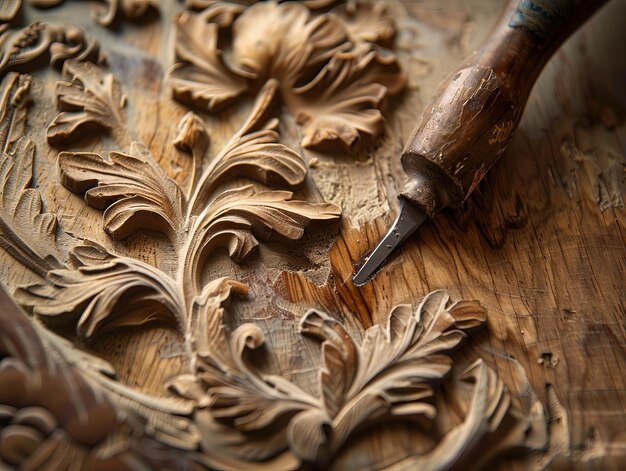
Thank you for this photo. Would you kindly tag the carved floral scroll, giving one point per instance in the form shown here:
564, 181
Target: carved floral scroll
331, 66
332, 74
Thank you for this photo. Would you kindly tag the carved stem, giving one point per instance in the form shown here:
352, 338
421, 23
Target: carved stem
261, 106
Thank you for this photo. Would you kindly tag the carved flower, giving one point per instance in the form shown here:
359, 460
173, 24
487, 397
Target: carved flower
332, 71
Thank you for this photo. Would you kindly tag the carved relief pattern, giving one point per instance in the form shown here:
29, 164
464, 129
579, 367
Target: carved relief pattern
332, 72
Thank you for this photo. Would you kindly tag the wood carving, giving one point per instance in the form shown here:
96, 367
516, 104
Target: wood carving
331, 75
179, 234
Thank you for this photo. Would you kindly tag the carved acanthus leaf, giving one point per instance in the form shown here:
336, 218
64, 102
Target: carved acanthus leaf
237, 217
200, 76
27, 233
90, 99
60, 42
309, 55
104, 292
254, 152
131, 187
390, 375
232, 387
393, 370
342, 103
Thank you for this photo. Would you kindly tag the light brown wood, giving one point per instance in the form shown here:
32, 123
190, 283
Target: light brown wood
187, 189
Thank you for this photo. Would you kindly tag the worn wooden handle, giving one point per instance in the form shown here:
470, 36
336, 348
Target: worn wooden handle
475, 113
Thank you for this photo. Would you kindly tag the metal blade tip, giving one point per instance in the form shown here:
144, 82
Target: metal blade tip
408, 220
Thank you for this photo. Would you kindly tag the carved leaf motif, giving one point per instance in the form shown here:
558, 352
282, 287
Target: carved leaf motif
460, 448
104, 292
237, 217
395, 367
89, 100
260, 156
420, 340
135, 191
343, 103
340, 355
26, 232
200, 76
238, 391
254, 152
284, 41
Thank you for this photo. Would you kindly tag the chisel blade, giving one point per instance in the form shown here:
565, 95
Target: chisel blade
408, 220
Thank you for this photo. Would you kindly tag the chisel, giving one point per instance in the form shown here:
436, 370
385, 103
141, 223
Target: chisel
474, 114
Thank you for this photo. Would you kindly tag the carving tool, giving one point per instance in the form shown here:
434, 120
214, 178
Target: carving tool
475, 113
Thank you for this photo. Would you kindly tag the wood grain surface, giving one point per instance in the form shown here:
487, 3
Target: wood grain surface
508, 350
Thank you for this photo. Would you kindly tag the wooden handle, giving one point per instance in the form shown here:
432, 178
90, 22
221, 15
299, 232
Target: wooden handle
476, 111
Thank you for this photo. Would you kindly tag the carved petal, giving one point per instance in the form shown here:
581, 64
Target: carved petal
132, 187
395, 367
26, 232
192, 134
104, 292
199, 77
236, 217
89, 100
283, 41
342, 104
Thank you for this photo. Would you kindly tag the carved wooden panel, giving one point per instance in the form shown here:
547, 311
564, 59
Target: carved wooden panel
187, 188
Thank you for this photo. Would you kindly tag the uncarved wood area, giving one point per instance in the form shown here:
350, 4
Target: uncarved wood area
188, 188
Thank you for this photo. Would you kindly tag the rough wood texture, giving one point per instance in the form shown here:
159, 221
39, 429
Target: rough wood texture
172, 186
